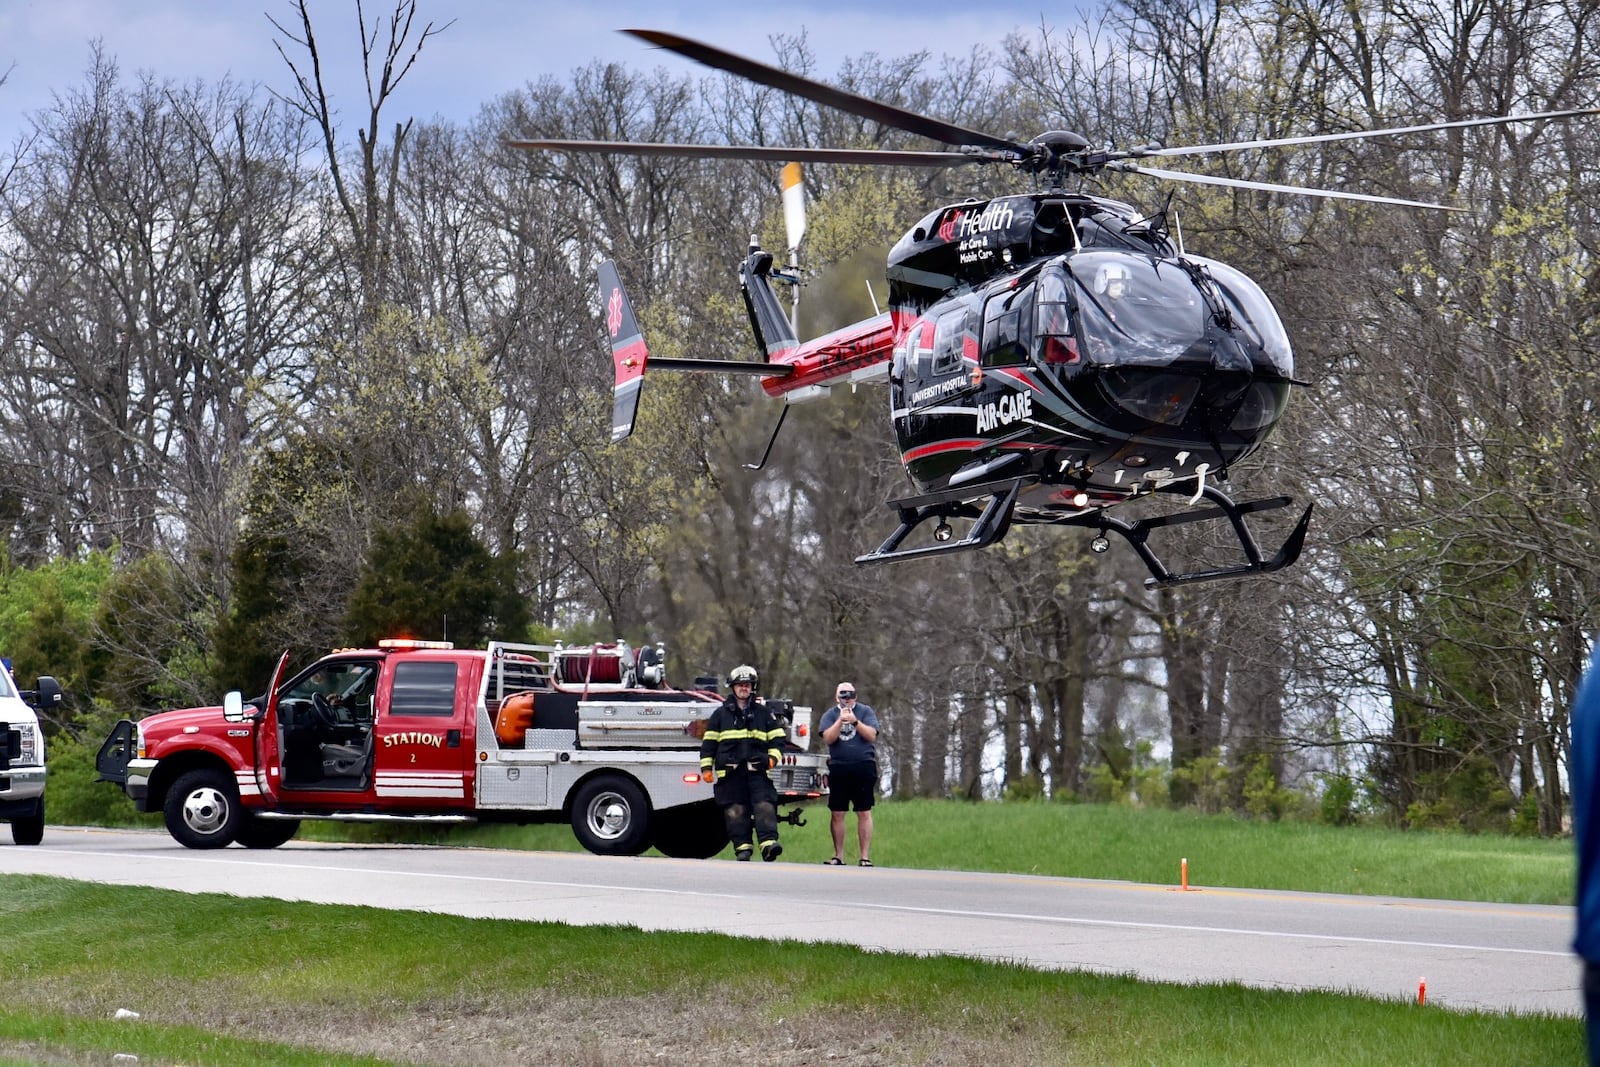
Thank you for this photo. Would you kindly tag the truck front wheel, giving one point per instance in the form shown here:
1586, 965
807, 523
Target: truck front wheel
29, 829
611, 816
202, 809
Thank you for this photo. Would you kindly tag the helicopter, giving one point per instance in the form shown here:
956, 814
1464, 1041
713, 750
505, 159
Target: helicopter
1051, 356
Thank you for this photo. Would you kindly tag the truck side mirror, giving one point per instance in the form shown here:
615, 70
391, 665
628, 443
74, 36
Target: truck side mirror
233, 707
45, 695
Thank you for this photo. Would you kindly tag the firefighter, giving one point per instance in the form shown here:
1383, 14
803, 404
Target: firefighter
740, 747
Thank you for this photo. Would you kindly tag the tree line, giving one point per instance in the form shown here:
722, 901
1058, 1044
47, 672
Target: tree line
271, 380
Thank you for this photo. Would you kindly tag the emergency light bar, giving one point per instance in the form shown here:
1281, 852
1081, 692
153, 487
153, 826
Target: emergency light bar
404, 644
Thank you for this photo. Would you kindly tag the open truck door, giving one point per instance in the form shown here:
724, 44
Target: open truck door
268, 746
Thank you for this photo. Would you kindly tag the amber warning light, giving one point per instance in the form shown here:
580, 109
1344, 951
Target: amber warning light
407, 643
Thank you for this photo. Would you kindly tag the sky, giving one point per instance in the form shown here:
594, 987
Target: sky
493, 47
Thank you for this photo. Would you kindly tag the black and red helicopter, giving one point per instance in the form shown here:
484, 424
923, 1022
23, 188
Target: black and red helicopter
1050, 356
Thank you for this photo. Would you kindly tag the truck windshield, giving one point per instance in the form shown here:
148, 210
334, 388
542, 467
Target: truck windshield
6, 688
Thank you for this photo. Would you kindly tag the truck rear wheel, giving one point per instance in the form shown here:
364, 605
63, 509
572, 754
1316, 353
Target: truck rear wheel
256, 832
29, 829
692, 832
611, 816
202, 809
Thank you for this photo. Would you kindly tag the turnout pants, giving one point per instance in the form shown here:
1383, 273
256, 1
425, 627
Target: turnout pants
746, 796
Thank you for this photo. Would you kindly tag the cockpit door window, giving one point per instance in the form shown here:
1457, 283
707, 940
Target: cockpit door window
1007, 328
1055, 344
948, 343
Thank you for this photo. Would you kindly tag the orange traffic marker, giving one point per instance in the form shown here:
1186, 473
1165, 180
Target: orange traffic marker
1422, 991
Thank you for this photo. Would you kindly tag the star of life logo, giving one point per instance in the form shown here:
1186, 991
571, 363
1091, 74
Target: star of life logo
614, 312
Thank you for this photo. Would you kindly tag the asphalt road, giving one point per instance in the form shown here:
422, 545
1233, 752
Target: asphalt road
1498, 957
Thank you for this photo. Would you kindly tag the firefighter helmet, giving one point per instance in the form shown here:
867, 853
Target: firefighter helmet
743, 673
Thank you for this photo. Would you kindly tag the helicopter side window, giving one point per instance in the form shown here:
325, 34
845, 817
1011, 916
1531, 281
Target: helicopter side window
949, 343
919, 353
905, 370
1004, 328
1054, 340
905, 352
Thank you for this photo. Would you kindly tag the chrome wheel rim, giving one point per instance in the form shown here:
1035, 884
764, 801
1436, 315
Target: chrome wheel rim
609, 815
205, 810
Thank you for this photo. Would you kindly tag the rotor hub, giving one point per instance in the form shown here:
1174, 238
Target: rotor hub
1055, 153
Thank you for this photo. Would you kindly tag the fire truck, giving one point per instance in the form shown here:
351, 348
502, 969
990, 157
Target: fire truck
422, 732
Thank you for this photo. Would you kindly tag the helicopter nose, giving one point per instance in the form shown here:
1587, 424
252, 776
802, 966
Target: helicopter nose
1240, 406
1219, 398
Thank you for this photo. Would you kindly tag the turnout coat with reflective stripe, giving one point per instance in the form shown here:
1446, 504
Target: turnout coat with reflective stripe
736, 737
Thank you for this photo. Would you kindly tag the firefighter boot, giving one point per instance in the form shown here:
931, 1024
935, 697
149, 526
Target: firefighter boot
771, 850
743, 853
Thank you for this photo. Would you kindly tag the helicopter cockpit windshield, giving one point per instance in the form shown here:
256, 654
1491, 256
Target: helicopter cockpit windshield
1252, 313
1134, 310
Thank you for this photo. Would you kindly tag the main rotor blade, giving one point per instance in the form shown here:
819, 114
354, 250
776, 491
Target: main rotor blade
779, 154
1239, 183
886, 114
1497, 120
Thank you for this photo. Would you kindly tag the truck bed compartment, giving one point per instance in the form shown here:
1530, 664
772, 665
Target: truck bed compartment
646, 724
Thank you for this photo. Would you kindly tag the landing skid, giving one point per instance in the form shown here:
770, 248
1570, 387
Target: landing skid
990, 524
1137, 533
993, 520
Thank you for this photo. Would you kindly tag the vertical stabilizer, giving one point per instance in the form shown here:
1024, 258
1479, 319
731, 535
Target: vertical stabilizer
628, 351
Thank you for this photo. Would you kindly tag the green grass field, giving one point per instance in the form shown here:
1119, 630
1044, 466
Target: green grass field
221, 980
231, 981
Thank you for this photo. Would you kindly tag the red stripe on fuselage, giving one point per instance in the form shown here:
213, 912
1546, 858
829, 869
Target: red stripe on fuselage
965, 444
833, 356
1018, 376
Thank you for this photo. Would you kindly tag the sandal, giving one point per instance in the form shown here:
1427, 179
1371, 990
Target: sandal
834, 861
866, 863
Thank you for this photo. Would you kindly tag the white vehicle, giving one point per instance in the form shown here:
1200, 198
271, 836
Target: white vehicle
22, 770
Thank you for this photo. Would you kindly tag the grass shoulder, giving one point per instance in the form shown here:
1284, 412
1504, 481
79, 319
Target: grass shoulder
253, 981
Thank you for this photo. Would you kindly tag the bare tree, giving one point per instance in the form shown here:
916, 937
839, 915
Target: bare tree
388, 52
